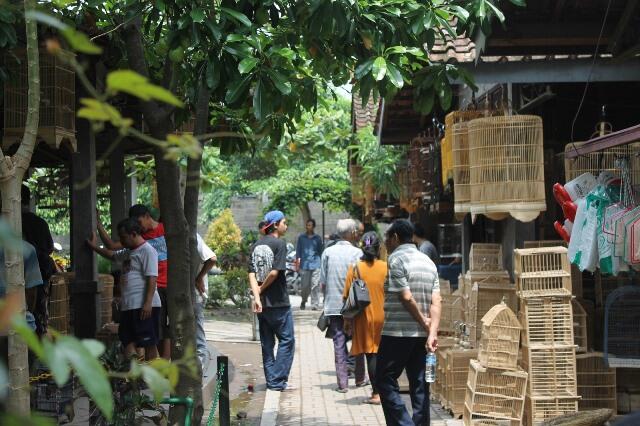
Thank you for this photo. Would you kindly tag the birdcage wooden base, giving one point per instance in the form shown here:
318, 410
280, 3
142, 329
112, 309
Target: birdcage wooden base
539, 410
552, 371
547, 321
596, 382
494, 394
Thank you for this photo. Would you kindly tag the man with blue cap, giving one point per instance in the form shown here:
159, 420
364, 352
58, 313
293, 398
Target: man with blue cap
267, 267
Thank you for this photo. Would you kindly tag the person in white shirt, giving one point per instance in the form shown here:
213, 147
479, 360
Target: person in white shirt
207, 261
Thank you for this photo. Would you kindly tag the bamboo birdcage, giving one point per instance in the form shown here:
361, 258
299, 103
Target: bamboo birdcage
579, 327
506, 162
601, 161
500, 341
486, 294
57, 99
357, 184
547, 321
106, 297
596, 382
59, 302
494, 395
457, 370
542, 271
451, 312
539, 410
447, 147
485, 257
552, 371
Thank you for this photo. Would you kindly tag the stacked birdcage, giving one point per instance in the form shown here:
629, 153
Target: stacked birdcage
601, 161
496, 386
57, 99
543, 280
456, 372
579, 327
506, 164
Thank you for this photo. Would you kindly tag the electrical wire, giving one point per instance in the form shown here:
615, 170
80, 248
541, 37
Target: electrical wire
593, 64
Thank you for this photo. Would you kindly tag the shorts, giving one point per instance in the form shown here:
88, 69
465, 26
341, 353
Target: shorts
163, 320
143, 333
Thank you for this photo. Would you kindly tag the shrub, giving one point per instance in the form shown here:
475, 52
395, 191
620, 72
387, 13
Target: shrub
218, 292
238, 287
223, 235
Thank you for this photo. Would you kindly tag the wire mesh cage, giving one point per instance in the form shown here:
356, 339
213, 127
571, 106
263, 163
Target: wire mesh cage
601, 161
57, 99
500, 339
59, 302
485, 257
539, 410
622, 328
552, 371
494, 394
47, 399
506, 162
596, 382
580, 328
547, 321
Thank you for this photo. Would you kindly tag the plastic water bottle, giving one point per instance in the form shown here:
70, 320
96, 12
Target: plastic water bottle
430, 368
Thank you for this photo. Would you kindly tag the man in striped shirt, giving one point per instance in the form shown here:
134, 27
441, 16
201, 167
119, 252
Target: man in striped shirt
412, 290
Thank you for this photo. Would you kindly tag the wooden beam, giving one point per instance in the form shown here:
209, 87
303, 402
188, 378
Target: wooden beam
625, 18
544, 41
621, 137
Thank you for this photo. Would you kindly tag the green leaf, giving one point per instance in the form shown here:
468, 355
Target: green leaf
425, 101
130, 82
237, 88
364, 68
238, 16
280, 81
395, 76
6, 16
379, 68
213, 74
158, 384
90, 372
460, 12
247, 64
77, 40
214, 29
57, 363
521, 3
395, 50
285, 52
445, 94
261, 101
197, 14
95, 347
496, 11
232, 38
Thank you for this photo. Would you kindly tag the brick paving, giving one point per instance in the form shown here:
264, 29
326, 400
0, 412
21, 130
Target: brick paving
315, 402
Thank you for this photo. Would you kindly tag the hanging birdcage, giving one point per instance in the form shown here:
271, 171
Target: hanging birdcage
506, 164
57, 121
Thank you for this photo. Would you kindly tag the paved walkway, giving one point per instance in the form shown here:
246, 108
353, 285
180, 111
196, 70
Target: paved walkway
315, 402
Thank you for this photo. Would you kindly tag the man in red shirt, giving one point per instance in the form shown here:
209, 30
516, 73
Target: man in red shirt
153, 233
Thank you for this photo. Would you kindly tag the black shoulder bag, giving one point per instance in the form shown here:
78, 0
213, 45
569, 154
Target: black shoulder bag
358, 298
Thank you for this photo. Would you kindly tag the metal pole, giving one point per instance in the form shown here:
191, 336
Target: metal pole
323, 231
224, 413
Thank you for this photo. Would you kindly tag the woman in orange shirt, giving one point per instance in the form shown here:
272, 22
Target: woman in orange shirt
366, 328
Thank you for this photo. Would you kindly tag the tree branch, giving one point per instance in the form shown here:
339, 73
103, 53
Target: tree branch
28, 145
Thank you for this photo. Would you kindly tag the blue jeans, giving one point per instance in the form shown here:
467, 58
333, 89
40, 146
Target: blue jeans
394, 355
201, 341
277, 322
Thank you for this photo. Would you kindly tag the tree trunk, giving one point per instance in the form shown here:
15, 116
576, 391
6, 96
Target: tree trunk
179, 287
191, 203
306, 212
11, 174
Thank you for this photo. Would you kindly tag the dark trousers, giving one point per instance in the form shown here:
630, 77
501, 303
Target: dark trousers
277, 322
371, 369
394, 355
340, 350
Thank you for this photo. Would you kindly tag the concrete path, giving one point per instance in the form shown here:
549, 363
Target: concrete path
315, 402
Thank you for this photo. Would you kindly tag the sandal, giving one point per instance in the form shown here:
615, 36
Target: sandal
372, 401
363, 384
341, 390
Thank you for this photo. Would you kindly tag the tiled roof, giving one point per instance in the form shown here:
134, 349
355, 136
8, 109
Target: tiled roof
363, 115
460, 49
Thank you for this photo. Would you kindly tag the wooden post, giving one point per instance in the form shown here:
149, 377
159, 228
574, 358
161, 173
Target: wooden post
84, 289
224, 413
118, 207
466, 242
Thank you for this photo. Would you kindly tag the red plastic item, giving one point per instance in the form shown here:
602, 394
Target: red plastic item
569, 209
560, 194
561, 231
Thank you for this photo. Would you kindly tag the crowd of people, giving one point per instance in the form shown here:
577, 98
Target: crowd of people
391, 335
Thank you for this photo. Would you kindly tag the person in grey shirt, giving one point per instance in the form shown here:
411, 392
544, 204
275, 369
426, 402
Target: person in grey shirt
424, 245
309, 249
334, 266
